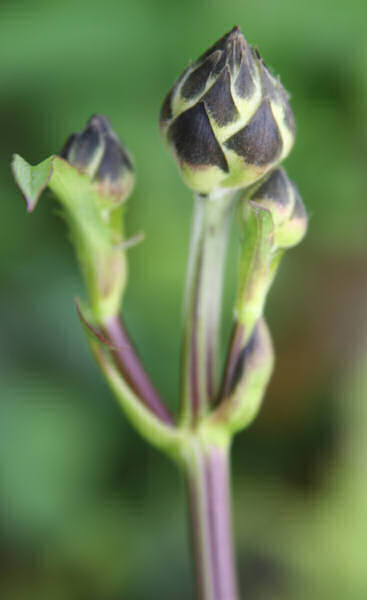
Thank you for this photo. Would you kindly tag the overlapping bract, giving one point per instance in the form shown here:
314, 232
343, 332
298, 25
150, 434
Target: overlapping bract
280, 196
227, 118
98, 152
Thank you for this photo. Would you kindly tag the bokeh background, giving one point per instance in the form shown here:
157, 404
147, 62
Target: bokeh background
88, 511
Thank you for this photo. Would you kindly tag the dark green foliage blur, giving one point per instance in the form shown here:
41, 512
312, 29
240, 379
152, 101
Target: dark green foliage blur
87, 510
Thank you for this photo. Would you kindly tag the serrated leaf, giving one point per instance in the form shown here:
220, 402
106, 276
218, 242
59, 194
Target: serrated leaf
32, 180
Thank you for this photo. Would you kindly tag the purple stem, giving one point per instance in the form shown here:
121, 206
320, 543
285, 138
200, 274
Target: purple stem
128, 361
208, 477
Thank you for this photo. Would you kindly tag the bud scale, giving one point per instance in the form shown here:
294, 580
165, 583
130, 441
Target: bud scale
227, 119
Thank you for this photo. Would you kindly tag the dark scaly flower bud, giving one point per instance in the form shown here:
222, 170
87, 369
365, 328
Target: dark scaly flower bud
98, 152
227, 118
281, 197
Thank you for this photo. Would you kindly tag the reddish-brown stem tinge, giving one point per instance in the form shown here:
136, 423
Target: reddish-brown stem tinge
208, 479
132, 369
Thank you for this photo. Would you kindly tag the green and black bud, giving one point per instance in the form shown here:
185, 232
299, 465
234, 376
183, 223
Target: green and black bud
280, 196
227, 118
98, 152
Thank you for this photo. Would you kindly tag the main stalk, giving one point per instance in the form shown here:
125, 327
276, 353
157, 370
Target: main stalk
208, 484
206, 460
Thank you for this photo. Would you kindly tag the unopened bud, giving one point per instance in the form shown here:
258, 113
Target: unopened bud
98, 152
227, 119
280, 196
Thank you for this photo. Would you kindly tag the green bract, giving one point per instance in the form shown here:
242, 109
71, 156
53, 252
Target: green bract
227, 119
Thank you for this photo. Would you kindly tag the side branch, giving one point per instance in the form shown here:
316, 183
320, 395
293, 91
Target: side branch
130, 365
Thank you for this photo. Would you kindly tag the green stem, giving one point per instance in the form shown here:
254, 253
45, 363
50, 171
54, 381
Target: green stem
203, 304
162, 435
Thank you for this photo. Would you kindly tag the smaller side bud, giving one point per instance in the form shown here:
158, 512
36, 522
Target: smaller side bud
98, 152
248, 372
280, 196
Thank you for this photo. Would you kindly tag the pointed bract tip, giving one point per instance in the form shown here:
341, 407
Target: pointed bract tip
225, 42
101, 123
236, 32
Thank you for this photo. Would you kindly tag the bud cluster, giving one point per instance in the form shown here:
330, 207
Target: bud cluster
227, 118
229, 124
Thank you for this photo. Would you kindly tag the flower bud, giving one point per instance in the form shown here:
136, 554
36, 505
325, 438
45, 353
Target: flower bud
97, 152
280, 196
227, 119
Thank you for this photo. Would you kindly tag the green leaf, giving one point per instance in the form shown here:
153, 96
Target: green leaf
32, 181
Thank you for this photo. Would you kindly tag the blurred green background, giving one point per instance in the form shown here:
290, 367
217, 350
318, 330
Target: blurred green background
88, 511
